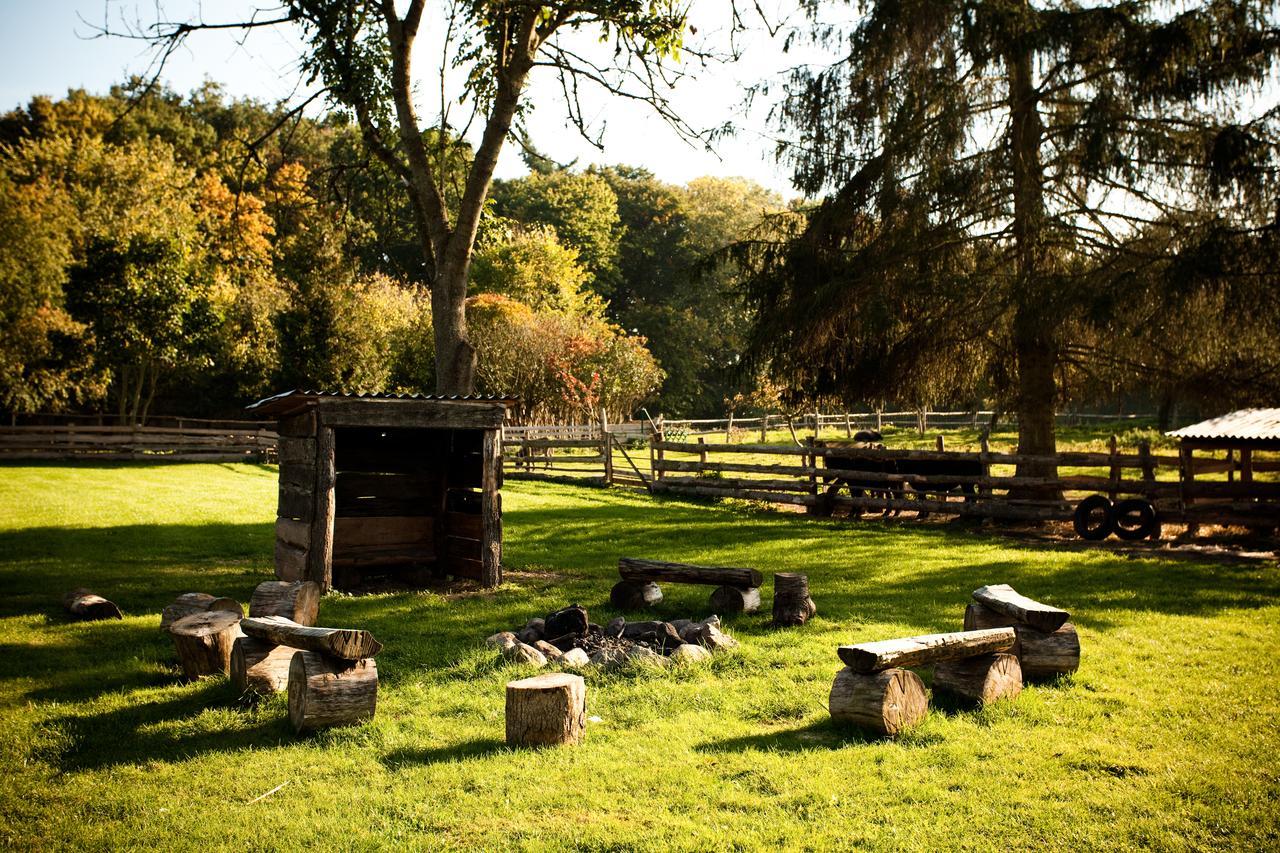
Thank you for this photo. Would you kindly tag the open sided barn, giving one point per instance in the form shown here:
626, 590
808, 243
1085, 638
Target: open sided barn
378, 486
1250, 441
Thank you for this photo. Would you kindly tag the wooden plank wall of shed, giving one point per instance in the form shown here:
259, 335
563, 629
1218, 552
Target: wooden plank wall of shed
296, 508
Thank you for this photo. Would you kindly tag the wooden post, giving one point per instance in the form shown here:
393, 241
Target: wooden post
1231, 465
728, 429
817, 423
491, 509
848, 425
941, 444
764, 429
1113, 491
984, 452
1148, 470
702, 451
320, 554
606, 447
658, 472
1246, 465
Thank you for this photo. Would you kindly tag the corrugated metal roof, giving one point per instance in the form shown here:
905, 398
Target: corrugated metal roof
1242, 425
281, 400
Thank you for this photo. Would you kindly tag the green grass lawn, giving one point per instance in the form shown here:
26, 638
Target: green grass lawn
1165, 738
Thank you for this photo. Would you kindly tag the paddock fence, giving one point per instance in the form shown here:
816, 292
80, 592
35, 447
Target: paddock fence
192, 441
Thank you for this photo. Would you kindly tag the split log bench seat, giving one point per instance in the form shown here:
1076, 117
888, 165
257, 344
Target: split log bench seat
737, 590
876, 691
1047, 644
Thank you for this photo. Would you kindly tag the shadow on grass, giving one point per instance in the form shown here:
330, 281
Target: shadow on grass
823, 734
475, 748
167, 729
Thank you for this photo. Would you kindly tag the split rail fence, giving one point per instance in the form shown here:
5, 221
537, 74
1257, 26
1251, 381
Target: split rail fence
193, 441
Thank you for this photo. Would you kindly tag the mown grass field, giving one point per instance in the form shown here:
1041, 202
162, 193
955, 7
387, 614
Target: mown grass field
1165, 738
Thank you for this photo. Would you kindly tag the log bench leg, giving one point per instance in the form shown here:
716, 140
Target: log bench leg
982, 679
732, 600
635, 595
326, 692
260, 667
884, 702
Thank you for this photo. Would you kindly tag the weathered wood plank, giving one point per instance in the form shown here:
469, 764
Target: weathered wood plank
1003, 598
337, 412
320, 554
636, 569
300, 425
295, 502
296, 451
358, 531
491, 509
291, 561
925, 649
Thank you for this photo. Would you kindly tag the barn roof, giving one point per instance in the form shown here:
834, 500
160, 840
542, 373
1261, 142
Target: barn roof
287, 402
1245, 425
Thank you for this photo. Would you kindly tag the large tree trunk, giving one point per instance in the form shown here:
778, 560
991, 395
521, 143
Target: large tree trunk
1033, 324
455, 356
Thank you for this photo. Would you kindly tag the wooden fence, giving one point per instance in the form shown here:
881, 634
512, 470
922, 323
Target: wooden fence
851, 422
826, 480
230, 441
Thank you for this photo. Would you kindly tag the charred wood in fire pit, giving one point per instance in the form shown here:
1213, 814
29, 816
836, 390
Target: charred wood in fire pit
569, 620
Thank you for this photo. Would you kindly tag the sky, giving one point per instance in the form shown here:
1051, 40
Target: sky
48, 47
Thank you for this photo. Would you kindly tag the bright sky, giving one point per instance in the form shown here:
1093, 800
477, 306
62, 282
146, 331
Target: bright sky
45, 49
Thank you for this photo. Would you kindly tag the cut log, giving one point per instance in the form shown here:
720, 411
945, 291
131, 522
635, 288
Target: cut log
791, 602
635, 595
983, 679
1041, 655
633, 569
259, 667
1002, 598
204, 640
925, 649
324, 692
732, 600
345, 643
884, 702
298, 601
197, 602
546, 710
83, 604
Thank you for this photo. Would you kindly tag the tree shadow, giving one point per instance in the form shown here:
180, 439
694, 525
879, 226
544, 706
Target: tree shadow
167, 729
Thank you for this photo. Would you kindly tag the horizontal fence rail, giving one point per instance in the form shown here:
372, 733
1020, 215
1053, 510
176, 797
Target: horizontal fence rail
241, 442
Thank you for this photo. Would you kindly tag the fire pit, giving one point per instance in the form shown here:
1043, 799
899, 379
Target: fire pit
570, 638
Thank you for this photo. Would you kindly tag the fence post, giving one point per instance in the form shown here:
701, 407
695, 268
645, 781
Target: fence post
984, 451
1148, 470
879, 419
728, 430
848, 425
1114, 491
941, 445
764, 430
817, 423
811, 461
606, 447
702, 450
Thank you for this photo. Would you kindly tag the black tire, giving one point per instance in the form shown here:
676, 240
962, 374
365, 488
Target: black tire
1094, 518
1134, 519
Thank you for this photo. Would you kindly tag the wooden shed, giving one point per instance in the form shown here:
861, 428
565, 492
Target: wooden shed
386, 486
1251, 441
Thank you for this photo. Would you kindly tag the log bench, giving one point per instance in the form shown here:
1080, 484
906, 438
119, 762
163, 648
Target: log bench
736, 590
1047, 644
878, 692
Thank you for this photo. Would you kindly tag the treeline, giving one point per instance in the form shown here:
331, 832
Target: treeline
189, 254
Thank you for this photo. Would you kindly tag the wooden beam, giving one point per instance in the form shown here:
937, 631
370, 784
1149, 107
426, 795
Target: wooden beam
441, 414
491, 509
343, 643
1002, 598
634, 569
925, 649
320, 554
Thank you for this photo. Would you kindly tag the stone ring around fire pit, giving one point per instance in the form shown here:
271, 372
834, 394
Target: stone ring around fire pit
569, 638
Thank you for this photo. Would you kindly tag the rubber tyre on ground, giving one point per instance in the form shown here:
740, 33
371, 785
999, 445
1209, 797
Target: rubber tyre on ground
1134, 519
1086, 521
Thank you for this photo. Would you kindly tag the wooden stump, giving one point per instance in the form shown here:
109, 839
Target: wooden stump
298, 601
259, 667
884, 702
546, 710
732, 600
325, 692
204, 640
635, 595
83, 604
190, 603
1040, 655
983, 679
791, 602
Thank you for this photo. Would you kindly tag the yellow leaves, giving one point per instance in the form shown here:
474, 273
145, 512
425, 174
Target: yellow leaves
237, 230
